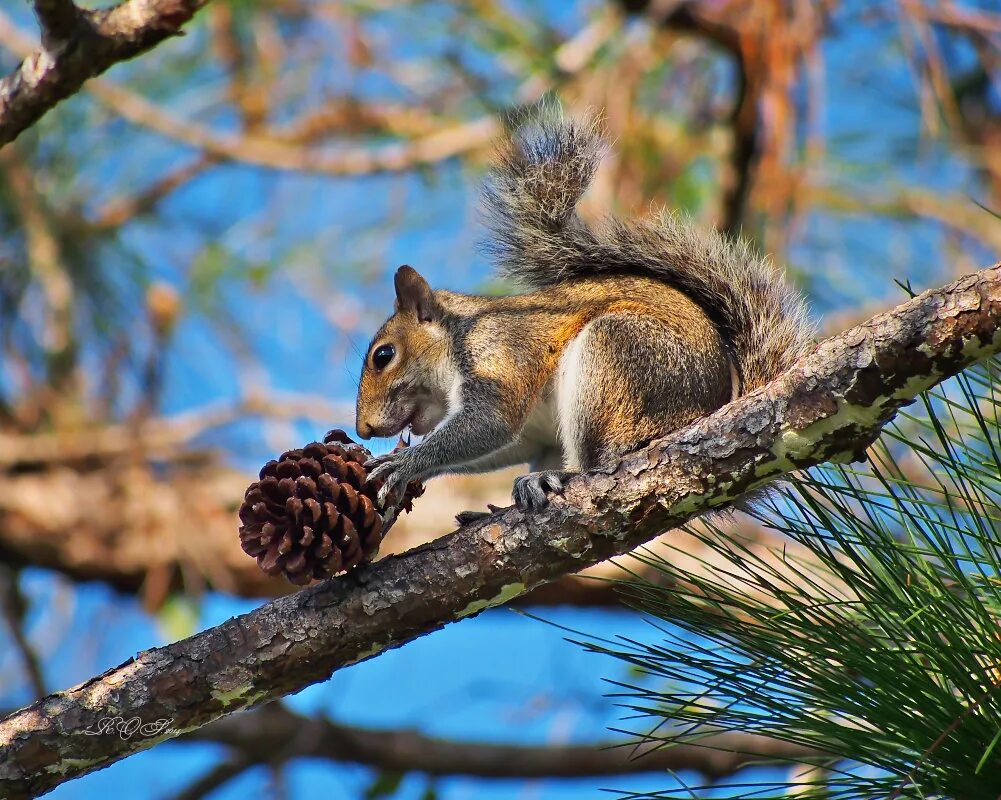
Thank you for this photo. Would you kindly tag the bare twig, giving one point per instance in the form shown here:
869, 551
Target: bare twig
14, 608
284, 150
117, 211
955, 212
45, 259
949, 14
215, 778
448, 141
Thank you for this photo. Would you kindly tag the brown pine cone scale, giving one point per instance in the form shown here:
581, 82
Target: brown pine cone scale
314, 512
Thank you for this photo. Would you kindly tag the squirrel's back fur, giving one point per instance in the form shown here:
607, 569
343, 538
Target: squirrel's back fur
540, 240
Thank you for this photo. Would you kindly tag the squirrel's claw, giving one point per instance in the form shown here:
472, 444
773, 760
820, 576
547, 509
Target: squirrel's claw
376, 461
530, 490
383, 495
390, 470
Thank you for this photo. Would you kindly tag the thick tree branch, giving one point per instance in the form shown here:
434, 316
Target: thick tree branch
188, 513
274, 732
163, 436
829, 407
77, 45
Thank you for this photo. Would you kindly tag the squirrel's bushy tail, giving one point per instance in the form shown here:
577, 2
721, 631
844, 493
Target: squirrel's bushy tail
539, 240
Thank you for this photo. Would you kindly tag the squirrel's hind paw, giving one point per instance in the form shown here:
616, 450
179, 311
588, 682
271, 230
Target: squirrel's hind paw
531, 490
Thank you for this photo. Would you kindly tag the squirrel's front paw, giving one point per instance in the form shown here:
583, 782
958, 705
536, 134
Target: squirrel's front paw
392, 470
530, 490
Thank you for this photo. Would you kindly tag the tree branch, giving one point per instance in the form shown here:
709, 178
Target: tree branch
424, 141
447, 141
829, 407
275, 732
720, 24
13, 609
76, 46
165, 435
119, 210
215, 778
187, 510
58, 19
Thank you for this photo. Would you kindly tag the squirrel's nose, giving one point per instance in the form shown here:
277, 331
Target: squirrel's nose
365, 429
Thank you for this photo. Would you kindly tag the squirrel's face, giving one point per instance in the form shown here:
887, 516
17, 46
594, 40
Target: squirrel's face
407, 375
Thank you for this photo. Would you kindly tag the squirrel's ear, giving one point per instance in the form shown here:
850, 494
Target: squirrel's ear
414, 294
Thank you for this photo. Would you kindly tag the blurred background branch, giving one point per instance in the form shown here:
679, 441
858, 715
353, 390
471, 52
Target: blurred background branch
275, 733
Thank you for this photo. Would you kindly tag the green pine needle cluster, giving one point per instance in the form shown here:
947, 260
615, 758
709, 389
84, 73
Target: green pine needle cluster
884, 647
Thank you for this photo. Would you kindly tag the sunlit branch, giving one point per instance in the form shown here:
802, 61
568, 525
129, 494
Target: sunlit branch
76, 46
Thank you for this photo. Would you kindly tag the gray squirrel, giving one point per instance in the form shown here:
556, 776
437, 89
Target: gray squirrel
628, 330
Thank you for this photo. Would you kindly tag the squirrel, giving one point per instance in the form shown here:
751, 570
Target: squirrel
628, 330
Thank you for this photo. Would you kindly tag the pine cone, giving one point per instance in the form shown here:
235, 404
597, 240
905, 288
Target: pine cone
314, 512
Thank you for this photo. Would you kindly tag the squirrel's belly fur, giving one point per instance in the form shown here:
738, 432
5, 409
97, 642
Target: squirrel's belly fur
628, 353
541, 431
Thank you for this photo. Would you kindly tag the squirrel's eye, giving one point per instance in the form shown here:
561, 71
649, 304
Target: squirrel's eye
383, 355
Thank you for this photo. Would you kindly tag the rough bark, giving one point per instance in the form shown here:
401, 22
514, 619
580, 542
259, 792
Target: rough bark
275, 734
829, 407
78, 44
